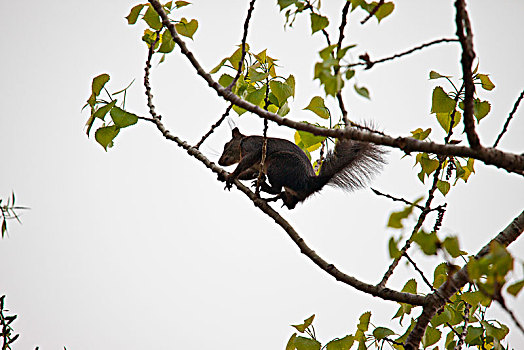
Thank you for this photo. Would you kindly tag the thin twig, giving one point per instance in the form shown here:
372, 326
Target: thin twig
343, 23
395, 199
368, 63
214, 126
505, 128
462, 336
372, 13
244, 38
264, 144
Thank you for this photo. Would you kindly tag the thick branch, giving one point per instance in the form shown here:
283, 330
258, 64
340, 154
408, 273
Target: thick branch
384, 293
457, 281
468, 55
509, 161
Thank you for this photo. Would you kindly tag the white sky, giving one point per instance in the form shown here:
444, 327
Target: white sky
140, 247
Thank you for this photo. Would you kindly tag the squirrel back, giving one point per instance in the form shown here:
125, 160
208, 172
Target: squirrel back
349, 166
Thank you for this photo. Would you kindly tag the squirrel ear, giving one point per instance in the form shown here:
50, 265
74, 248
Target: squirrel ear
236, 132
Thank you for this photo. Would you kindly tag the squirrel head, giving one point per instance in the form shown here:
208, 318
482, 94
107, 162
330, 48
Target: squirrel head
231, 153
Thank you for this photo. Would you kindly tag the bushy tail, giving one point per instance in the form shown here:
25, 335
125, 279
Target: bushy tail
351, 165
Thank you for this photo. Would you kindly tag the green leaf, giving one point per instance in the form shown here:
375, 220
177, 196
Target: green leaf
428, 242
307, 322
451, 245
420, 134
302, 343
105, 135
149, 38
444, 119
515, 288
395, 219
308, 139
152, 18
257, 96
255, 75
362, 91
382, 332
427, 164
291, 342
486, 82
290, 82
473, 337
441, 318
441, 102
318, 107
285, 3
435, 75
327, 52
284, 110
342, 52
341, 344
385, 10
394, 252
480, 109
122, 118
350, 73
102, 111
167, 42
431, 336
225, 80
217, 68
318, 22
282, 91
476, 298
363, 324
180, 4
98, 83
443, 187
440, 275
495, 332
186, 28
234, 59
135, 12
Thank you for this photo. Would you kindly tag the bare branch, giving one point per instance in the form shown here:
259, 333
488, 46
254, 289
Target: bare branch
468, 55
244, 38
368, 63
462, 336
214, 126
505, 128
457, 281
508, 161
343, 23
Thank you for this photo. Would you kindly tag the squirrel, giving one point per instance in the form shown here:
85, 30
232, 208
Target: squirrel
287, 166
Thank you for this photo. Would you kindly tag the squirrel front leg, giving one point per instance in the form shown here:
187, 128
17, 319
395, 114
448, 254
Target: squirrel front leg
243, 166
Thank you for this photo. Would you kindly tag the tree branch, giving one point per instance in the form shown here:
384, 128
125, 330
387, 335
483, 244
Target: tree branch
214, 126
508, 161
244, 38
457, 281
368, 63
505, 128
468, 55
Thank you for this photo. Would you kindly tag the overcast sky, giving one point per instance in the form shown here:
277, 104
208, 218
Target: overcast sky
141, 248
